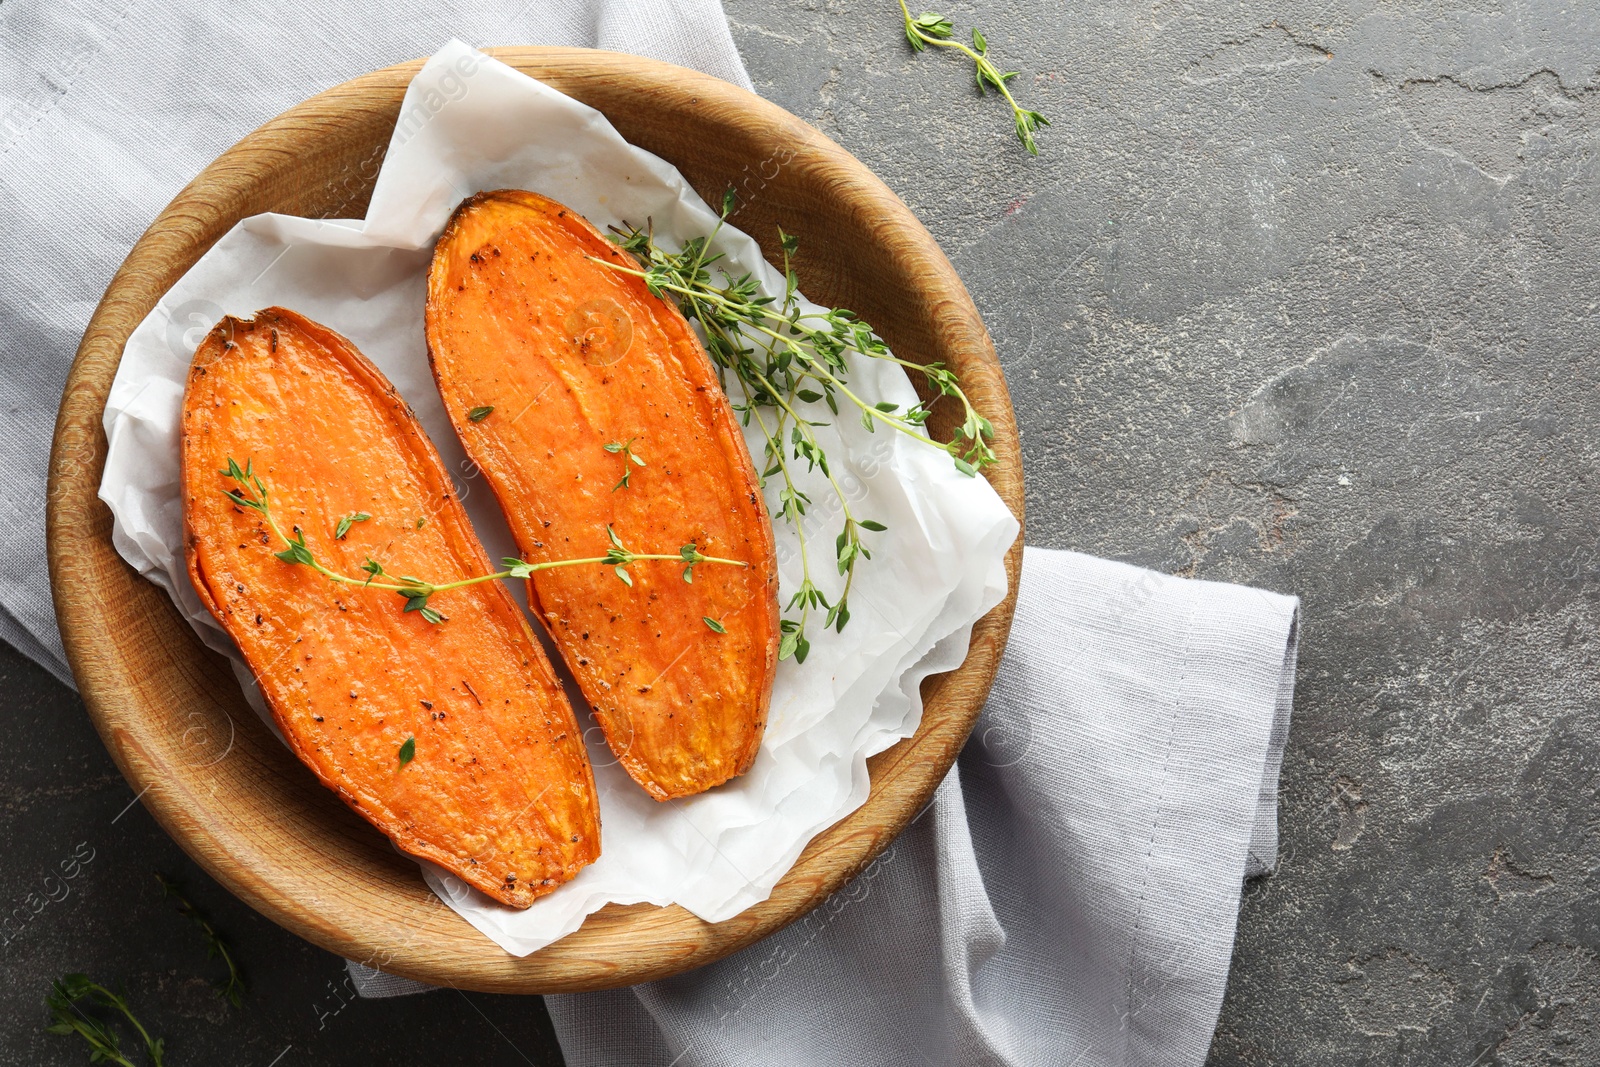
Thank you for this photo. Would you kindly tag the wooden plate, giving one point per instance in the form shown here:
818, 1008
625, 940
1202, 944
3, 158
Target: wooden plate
172, 714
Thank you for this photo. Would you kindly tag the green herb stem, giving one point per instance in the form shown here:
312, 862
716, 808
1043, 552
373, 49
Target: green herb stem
931, 29
104, 1046
520, 570
254, 495
232, 988
793, 641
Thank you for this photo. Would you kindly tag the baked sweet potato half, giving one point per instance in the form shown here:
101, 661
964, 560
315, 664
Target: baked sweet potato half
454, 737
589, 403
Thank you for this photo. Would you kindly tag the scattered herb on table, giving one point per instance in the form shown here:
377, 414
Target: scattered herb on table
929, 29
232, 989
251, 492
783, 357
71, 995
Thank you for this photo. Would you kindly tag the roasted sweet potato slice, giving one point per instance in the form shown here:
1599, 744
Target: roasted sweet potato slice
454, 738
545, 358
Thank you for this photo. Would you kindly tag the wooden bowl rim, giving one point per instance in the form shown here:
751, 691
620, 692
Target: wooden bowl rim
903, 778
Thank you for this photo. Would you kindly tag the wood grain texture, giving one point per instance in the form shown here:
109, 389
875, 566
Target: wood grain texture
172, 714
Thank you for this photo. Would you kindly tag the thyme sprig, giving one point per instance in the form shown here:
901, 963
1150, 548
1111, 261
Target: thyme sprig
66, 1000
784, 357
929, 29
232, 988
252, 493
629, 459
792, 348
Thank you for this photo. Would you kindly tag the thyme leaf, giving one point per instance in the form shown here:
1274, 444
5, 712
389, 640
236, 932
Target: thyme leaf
348, 521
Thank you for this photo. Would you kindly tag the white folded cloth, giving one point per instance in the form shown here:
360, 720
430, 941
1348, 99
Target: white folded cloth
108, 109
1068, 898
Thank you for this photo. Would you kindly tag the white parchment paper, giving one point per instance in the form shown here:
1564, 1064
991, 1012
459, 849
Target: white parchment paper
471, 123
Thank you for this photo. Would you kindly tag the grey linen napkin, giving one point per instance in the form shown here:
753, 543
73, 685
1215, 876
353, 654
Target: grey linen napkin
1068, 897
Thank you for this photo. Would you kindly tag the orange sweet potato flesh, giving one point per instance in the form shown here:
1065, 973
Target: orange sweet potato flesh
572, 355
499, 791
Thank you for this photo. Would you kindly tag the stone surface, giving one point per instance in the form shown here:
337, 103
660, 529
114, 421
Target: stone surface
1300, 295
1303, 295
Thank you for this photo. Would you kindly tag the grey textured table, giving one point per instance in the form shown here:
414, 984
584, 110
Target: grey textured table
1299, 295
